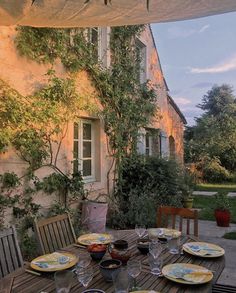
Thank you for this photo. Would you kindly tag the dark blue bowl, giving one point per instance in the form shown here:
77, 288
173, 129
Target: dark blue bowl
97, 255
108, 267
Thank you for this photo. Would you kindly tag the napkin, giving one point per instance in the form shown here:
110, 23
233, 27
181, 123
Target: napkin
202, 249
188, 274
53, 260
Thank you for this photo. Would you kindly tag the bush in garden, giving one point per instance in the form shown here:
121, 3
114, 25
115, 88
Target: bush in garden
214, 172
145, 184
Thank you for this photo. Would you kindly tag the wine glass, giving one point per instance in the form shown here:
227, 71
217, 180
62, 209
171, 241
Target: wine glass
63, 280
84, 260
140, 230
84, 275
134, 269
155, 249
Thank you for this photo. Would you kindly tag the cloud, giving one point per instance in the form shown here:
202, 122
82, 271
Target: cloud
182, 101
178, 32
203, 84
227, 65
202, 29
175, 92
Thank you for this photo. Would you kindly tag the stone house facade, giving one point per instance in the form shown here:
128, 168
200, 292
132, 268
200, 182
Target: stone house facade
162, 137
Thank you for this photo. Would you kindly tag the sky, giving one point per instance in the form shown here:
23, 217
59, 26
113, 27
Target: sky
195, 55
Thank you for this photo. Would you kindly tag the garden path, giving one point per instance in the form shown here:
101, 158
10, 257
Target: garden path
207, 231
212, 193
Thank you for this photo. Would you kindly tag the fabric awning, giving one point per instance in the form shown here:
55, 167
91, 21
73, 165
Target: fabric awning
85, 13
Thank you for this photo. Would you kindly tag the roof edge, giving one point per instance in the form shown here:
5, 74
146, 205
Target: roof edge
177, 109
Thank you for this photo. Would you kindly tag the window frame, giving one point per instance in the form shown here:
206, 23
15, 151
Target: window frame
148, 149
81, 158
143, 61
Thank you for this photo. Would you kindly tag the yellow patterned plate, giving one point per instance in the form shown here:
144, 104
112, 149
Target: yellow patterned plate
186, 273
95, 238
55, 261
203, 249
163, 232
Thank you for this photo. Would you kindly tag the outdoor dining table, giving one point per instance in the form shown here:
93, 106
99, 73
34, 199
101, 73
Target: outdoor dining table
23, 282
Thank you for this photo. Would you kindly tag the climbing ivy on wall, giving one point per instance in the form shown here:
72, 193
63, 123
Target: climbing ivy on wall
127, 104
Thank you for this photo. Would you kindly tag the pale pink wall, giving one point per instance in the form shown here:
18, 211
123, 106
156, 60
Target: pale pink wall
169, 120
27, 76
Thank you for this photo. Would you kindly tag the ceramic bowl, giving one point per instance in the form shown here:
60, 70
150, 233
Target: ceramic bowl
97, 251
108, 267
143, 245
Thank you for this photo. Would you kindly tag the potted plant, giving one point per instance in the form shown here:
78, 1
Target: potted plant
222, 210
187, 187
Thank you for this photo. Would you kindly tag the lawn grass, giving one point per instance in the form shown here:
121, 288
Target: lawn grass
226, 187
206, 204
230, 235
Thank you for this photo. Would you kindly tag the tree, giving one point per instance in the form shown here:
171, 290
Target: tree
214, 135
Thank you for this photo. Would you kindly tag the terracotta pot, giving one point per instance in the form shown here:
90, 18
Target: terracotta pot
222, 218
188, 203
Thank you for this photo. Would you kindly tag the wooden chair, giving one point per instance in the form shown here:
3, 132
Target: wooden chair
10, 254
54, 233
175, 217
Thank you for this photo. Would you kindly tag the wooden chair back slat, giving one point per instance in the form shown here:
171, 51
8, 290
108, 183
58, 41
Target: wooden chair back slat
180, 214
57, 234
10, 254
54, 233
65, 234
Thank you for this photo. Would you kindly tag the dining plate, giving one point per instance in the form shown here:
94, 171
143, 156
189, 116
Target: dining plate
55, 261
203, 249
95, 238
186, 273
163, 232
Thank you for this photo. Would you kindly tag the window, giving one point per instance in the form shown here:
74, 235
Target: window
142, 54
148, 143
100, 38
83, 149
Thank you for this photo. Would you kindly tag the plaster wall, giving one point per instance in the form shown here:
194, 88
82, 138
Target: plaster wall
167, 119
27, 76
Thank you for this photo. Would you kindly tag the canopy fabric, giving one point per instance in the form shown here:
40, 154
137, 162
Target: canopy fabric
90, 13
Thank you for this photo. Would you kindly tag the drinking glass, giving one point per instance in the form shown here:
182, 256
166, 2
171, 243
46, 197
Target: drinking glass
140, 230
155, 264
121, 281
134, 269
174, 245
84, 260
155, 249
84, 275
63, 280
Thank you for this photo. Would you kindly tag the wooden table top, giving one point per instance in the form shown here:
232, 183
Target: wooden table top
23, 282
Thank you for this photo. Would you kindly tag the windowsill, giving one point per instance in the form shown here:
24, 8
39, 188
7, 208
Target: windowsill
89, 180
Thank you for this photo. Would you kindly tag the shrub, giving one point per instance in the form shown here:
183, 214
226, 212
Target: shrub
214, 172
145, 184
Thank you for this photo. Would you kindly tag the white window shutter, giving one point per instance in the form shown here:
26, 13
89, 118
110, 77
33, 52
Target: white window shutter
164, 145
103, 46
141, 147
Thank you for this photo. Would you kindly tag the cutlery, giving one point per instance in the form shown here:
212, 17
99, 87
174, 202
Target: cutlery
80, 246
179, 275
32, 272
